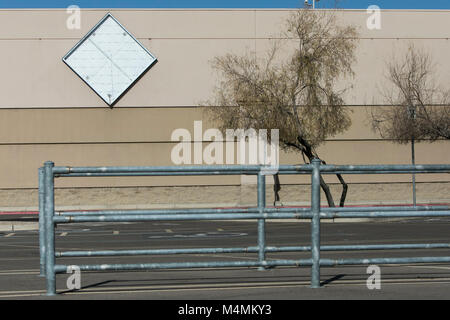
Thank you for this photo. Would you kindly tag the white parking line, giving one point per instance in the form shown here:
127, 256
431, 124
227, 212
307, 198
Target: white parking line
18, 273
430, 267
218, 286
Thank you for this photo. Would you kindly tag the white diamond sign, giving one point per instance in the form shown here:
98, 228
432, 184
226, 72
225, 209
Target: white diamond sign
109, 59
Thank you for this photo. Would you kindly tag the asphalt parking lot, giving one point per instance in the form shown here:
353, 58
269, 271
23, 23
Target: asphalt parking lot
19, 260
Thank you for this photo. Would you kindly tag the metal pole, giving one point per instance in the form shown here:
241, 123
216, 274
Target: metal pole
315, 224
412, 113
306, 212
413, 159
49, 208
255, 249
261, 222
41, 223
184, 265
246, 169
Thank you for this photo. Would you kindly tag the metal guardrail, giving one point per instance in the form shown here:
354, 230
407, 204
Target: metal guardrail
48, 218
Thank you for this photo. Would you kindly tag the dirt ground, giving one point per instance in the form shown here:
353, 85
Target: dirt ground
196, 196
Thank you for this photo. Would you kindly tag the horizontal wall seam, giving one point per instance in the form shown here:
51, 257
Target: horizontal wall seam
173, 107
177, 142
212, 9
225, 38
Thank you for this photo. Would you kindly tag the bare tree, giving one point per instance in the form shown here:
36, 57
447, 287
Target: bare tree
292, 88
417, 107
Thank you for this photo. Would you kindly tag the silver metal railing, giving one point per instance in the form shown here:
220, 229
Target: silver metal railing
48, 218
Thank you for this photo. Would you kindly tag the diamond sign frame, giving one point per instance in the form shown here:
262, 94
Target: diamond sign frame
104, 65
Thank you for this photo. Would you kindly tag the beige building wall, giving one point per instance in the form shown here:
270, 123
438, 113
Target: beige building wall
48, 113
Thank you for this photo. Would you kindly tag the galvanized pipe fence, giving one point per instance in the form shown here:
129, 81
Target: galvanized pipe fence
49, 218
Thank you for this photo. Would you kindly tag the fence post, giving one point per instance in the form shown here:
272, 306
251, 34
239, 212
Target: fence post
261, 222
49, 210
315, 224
41, 222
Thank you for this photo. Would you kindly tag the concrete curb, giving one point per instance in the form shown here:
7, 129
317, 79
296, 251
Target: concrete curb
33, 210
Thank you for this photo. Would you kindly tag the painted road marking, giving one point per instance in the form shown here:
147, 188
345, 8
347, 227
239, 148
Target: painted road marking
219, 286
430, 267
18, 273
20, 246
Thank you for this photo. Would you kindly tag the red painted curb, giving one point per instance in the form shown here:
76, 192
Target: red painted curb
19, 213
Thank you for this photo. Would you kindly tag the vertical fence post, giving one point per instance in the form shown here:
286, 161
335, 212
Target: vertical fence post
261, 222
49, 210
315, 224
41, 222
413, 161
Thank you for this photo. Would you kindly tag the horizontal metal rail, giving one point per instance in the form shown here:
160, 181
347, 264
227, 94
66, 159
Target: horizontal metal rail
423, 208
245, 216
108, 253
178, 217
197, 173
185, 265
337, 262
49, 218
255, 169
268, 263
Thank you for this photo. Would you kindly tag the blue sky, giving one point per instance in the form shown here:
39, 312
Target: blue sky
348, 4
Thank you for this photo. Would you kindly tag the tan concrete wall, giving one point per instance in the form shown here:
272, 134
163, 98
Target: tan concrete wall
48, 113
